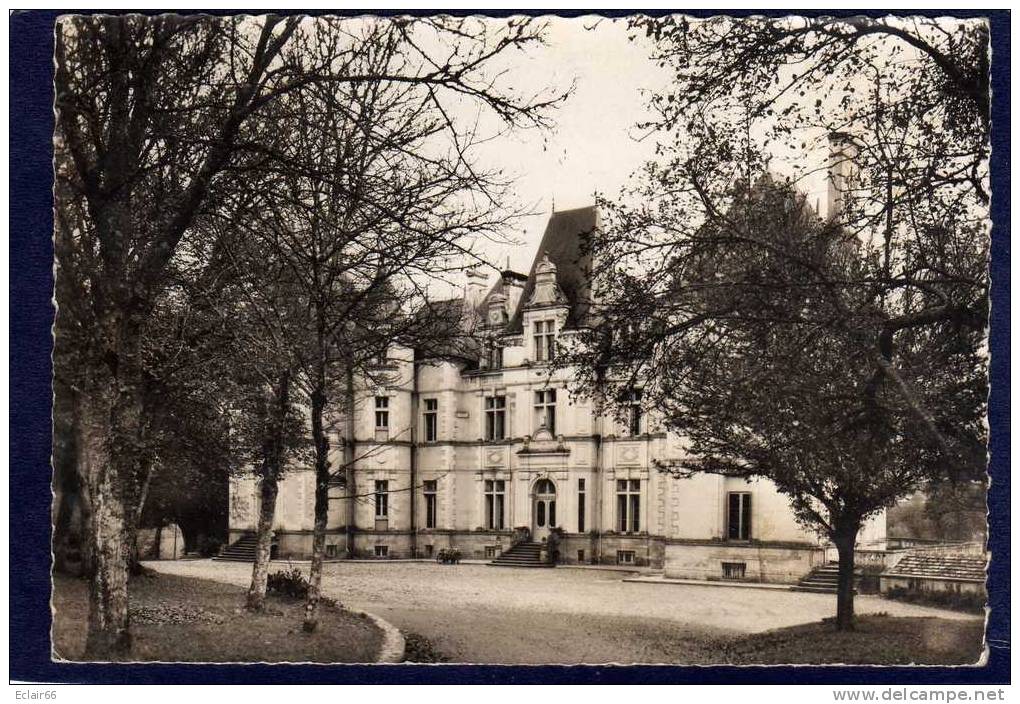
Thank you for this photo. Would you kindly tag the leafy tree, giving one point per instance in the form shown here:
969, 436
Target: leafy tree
844, 360
750, 343
944, 511
959, 509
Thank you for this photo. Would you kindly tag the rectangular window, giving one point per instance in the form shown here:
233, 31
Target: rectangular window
495, 499
382, 499
628, 505
738, 518
625, 557
635, 425
545, 410
495, 417
545, 340
491, 551
431, 419
734, 570
382, 550
430, 503
580, 555
580, 505
331, 550
382, 413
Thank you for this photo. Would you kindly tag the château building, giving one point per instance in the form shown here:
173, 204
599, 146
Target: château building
461, 453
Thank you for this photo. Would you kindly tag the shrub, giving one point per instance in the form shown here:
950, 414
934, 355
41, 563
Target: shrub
289, 583
448, 556
957, 601
867, 582
209, 545
418, 648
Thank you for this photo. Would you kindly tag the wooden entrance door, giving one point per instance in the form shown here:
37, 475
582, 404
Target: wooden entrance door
543, 509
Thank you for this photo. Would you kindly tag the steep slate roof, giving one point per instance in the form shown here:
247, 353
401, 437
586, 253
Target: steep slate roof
563, 242
498, 287
451, 341
930, 565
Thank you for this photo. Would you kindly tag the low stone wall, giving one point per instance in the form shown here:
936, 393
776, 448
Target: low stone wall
615, 549
166, 543
473, 545
644, 551
782, 564
889, 583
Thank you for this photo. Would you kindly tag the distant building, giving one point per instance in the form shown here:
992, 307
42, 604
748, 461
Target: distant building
460, 453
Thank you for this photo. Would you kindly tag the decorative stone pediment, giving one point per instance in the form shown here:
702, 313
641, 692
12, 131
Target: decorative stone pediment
544, 443
542, 435
547, 291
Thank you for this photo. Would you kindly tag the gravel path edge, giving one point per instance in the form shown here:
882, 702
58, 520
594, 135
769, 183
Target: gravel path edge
393, 643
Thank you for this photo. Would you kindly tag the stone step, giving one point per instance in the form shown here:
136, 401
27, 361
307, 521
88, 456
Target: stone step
823, 579
241, 550
515, 560
814, 589
521, 555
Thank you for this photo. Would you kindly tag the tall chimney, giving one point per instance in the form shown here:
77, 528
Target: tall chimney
475, 288
840, 173
513, 287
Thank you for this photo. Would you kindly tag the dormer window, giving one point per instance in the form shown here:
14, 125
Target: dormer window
545, 340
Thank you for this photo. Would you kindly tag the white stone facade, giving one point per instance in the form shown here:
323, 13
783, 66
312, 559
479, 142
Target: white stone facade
470, 443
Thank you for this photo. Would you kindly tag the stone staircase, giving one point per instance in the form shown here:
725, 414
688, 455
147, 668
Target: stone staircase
241, 550
521, 555
824, 579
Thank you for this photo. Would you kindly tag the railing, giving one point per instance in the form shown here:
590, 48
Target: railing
864, 556
887, 558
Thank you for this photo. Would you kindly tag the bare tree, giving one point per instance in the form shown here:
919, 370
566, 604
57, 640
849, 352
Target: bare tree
152, 112
385, 203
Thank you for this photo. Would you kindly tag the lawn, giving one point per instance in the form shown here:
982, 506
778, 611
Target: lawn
877, 640
191, 620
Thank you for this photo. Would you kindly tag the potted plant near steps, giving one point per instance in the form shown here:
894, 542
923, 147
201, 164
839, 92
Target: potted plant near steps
551, 547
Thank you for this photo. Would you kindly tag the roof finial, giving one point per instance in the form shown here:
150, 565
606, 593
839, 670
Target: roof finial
554, 202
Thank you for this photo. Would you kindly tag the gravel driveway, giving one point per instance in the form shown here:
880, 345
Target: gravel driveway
477, 613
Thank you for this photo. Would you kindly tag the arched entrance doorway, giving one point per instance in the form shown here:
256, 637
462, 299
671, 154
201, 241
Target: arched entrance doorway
543, 509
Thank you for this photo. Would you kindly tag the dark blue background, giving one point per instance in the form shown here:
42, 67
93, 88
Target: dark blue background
31, 312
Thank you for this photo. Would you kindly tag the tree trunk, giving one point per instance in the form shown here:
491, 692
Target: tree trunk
321, 509
105, 461
272, 464
135, 516
350, 486
268, 491
846, 540
67, 533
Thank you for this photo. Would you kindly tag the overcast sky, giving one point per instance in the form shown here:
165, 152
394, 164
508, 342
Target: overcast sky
595, 144
592, 146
